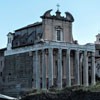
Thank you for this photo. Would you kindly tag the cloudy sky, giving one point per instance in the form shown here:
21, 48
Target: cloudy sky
15, 14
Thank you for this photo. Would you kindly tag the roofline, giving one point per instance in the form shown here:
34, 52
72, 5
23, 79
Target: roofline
3, 49
29, 26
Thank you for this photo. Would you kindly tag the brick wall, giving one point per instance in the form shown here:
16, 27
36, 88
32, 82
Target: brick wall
17, 72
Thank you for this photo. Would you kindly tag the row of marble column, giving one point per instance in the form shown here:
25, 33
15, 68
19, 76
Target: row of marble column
59, 69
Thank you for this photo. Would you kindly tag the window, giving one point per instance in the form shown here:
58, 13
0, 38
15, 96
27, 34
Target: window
9, 40
58, 35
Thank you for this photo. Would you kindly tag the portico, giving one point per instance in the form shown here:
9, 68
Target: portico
74, 72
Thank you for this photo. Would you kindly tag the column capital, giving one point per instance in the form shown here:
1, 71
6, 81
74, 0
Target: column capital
50, 48
43, 50
59, 48
77, 50
68, 51
85, 51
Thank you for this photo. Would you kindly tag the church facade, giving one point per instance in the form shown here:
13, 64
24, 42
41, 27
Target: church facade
44, 54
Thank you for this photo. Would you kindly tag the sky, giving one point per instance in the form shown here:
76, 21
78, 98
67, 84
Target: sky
15, 14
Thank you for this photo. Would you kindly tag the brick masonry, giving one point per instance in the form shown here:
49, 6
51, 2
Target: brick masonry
18, 71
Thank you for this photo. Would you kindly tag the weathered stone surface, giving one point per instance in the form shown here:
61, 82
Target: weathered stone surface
17, 72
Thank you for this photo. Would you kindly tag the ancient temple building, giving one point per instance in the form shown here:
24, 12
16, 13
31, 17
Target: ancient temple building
44, 54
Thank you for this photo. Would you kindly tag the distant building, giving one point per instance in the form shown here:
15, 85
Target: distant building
97, 55
44, 54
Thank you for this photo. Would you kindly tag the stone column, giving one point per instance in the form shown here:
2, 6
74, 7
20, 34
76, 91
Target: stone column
64, 67
50, 69
34, 70
43, 71
68, 72
80, 67
85, 69
37, 71
77, 75
93, 69
59, 77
